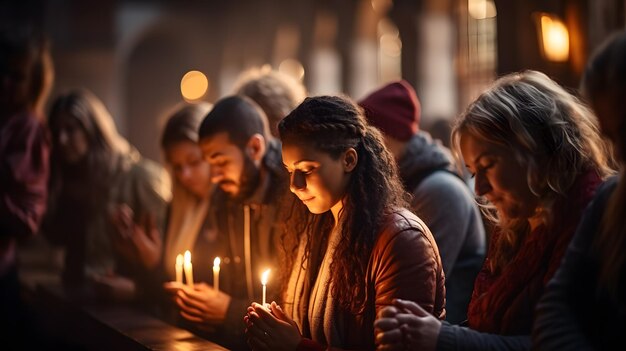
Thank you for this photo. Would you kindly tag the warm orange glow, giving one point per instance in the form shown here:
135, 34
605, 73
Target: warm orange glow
188, 268
554, 38
481, 9
216, 263
194, 85
179, 268
293, 68
265, 276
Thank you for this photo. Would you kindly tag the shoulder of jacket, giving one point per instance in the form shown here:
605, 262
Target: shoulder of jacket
402, 220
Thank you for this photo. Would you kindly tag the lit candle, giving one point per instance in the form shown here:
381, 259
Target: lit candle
188, 268
264, 277
216, 273
179, 268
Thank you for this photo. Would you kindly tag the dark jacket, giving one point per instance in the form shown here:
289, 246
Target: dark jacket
447, 206
241, 269
576, 312
404, 264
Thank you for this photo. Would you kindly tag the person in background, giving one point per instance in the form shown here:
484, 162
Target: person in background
26, 76
351, 246
584, 306
275, 92
185, 224
246, 212
101, 188
440, 196
191, 190
537, 157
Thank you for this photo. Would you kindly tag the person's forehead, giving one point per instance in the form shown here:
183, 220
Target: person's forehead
299, 152
219, 143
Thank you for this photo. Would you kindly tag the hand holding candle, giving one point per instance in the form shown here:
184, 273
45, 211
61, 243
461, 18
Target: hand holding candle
188, 268
216, 274
264, 277
179, 269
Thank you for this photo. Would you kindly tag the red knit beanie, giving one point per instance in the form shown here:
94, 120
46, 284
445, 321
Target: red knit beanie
394, 109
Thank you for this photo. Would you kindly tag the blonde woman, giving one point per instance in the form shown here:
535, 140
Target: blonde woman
537, 157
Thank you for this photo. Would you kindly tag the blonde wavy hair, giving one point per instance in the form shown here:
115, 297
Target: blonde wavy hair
548, 130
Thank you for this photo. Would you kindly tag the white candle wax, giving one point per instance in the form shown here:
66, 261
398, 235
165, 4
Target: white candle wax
264, 277
188, 268
216, 273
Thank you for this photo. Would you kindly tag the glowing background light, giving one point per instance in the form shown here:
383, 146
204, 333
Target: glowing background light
194, 85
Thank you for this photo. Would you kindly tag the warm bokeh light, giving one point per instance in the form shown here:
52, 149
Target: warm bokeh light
381, 6
194, 85
293, 68
216, 262
179, 260
265, 276
187, 257
481, 9
554, 38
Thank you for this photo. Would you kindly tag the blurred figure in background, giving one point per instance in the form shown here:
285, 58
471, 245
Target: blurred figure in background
537, 157
101, 188
191, 189
440, 197
584, 306
185, 224
275, 92
26, 77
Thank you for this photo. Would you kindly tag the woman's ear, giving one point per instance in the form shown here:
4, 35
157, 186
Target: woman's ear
255, 148
350, 159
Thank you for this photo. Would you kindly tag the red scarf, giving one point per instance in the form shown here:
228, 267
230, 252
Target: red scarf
504, 304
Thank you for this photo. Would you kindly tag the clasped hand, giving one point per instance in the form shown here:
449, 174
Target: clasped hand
200, 304
269, 328
136, 240
406, 326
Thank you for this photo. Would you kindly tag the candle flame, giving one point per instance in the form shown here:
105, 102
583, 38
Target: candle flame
187, 257
216, 262
264, 276
179, 260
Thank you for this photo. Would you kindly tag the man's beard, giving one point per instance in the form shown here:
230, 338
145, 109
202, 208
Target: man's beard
249, 180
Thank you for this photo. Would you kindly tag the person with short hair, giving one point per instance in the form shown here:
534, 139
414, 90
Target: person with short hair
275, 92
246, 213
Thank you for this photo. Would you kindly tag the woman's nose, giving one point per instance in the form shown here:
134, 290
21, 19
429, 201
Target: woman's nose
297, 181
481, 185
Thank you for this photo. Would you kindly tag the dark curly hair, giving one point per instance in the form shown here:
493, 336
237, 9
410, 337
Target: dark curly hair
332, 125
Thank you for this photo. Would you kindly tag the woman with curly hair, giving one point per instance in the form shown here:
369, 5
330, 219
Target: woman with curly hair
351, 246
537, 158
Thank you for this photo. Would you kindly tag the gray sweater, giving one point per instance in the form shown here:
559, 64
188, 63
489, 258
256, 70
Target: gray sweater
447, 206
